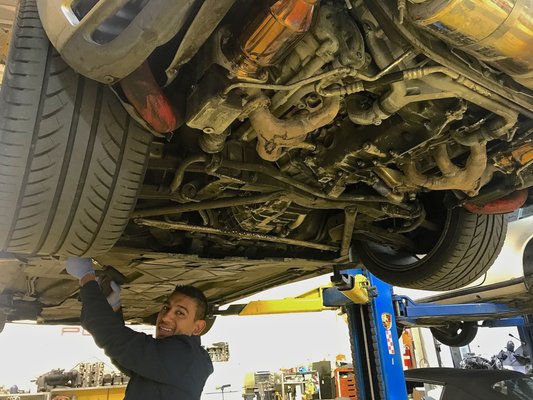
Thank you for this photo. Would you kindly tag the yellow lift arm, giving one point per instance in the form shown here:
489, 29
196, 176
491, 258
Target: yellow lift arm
311, 301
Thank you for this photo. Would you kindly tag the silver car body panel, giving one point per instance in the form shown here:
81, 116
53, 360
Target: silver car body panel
156, 23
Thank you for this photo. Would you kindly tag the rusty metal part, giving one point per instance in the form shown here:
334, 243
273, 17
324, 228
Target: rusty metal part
453, 177
524, 154
323, 79
385, 11
411, 225
350, 214
267, 39
333, 74
213, 143
319, 199
494, 31
392, 178
518, 157
394, 99
342, 72
233, 233
469, 90
383, 189
145, 95
504, 205
180, 171
319, 47
492, 130
458, 85
299, 191
207, 205
274, 134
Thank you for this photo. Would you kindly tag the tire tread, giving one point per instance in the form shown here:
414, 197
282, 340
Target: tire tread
71, 161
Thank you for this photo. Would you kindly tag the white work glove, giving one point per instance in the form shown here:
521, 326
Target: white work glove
114, 297
79, 267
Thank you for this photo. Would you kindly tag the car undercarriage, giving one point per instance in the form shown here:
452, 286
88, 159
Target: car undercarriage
240, 145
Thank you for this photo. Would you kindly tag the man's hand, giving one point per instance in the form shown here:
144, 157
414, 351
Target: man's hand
80, 267
114, 297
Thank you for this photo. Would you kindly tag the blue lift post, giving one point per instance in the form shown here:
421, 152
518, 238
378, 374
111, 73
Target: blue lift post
368, 301
372, 319
376, 354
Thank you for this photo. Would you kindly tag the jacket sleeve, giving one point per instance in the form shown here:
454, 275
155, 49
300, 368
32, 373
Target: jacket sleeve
162, 360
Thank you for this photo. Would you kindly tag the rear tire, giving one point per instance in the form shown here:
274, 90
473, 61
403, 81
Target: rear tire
467, 247
71, 159
456, 335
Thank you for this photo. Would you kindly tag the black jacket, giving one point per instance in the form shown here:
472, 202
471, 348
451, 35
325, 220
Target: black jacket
173, 368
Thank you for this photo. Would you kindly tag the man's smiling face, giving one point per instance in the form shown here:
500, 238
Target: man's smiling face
178, 317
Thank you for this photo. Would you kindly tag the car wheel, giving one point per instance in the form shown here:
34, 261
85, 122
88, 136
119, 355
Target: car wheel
456, 335
71, 159
454, 248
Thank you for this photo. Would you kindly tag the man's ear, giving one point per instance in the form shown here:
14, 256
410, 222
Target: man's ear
199, 326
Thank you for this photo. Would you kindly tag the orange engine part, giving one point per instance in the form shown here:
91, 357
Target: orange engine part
272, 34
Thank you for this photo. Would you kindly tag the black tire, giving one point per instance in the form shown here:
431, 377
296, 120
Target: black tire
456, 335
71, 159
465, 249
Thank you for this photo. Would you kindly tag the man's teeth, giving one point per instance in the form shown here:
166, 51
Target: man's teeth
165, 329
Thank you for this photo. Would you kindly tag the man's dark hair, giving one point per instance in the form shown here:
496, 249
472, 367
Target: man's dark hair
197, 295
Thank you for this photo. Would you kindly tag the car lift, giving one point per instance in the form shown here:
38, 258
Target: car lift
373, 311
414, 314
368, 303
